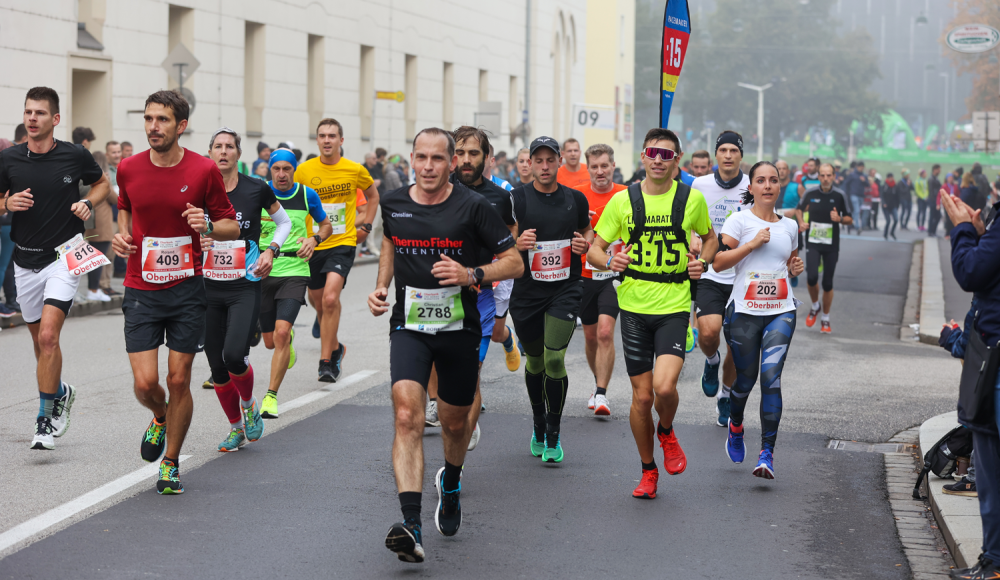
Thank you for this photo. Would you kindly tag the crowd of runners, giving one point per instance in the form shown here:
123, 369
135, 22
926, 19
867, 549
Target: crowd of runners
218, 261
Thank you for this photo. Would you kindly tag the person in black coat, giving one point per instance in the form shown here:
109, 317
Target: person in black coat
890, 205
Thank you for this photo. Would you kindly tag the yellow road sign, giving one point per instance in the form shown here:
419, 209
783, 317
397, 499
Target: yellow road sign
397, 96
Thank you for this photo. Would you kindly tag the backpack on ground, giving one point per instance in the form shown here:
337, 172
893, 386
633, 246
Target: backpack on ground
942, 457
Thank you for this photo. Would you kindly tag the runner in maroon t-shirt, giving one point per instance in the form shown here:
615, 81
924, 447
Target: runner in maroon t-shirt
163, 197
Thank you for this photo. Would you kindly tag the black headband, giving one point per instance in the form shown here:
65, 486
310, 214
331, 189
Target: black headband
729, 138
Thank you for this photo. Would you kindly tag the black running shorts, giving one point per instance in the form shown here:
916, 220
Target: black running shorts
454, 354
177, 312
712, 297
648, 336
338, 260
599, 297
529, 315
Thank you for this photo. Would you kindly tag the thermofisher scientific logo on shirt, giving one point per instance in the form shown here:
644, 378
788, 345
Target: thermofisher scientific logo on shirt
427, 247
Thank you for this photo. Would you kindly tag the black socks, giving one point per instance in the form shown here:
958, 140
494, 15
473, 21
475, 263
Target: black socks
601, 391
452, 475
409, 501
555, 396
660, 430
649, 466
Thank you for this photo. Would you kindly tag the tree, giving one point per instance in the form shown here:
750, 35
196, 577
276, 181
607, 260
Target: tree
819, 78
985, 95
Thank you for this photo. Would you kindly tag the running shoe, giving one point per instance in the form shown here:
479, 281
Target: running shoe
811, 317
208, 384
674, 460
601, 406
537, 447
404, 539
710, 378
476, 434
5, 311
824, 327
734, 445
60, 410
553, 452
722, 408
338, 361
43, 434
16, 307
513, 360
316, 332
291, 349
269, 407
252, 422
448, 515
765, 465
97, 296
647, 485
985, 569
154, 441
236, 439
964, 488
590, 403
169, 482
689, 346
326, 371
255, 339
431, 415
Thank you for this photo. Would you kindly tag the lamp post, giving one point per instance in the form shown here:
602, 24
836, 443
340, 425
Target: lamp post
944, 126
916, 20
927, 68
760, 115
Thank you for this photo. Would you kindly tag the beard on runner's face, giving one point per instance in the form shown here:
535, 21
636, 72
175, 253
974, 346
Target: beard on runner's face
470, 174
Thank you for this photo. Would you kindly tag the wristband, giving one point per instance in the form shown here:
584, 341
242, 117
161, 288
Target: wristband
608, 265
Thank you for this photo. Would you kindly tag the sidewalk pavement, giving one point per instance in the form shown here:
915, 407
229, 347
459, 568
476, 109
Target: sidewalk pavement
957, 516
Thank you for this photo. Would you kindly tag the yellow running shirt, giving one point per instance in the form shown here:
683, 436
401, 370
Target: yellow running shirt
337, 186
651, 254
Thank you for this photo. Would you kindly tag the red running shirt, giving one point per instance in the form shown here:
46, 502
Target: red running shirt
157, 196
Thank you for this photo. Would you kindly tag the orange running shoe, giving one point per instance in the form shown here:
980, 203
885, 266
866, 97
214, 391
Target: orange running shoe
811, 318
674, 460
647, 485
824, 327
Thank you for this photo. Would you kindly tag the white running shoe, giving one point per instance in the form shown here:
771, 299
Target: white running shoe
97, 296
601, 406
43, 434
476, 433
60, 411
431, 415
590, 403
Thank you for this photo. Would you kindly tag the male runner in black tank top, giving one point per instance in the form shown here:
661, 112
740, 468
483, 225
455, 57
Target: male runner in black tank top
552, 221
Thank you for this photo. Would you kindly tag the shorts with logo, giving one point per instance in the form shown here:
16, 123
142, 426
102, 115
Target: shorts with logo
52, 285
454, 354
712, 297
529, 315
281, 299
501, 294
599, 297
177, 312
648, 336
338, 259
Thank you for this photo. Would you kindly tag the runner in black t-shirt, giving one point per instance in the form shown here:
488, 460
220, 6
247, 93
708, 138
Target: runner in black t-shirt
552, 220
232, 272
435, 237
822, 211
42, 178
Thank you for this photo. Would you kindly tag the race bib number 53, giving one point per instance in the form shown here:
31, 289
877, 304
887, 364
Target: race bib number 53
167, 259
550, 261
79, 257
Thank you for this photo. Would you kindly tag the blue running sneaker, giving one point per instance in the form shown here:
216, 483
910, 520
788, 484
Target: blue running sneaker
448, 515
710, 378
252, 422
765, 465
337, 361
316, 332
722, 408
233, 442
404, 539
734, 445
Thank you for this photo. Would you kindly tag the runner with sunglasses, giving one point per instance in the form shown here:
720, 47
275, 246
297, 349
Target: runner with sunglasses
655, 295
762, 247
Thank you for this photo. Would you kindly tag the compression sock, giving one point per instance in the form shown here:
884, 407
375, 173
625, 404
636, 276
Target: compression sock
45, 403
229, 397
272, 393
452, 476
601, 391
649, 466
244, 385
508, 343
409, 502
661, 430
62, 390
714, 359
536, 395
555, 399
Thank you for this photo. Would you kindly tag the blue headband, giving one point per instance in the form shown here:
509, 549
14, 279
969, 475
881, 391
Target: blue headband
282, 155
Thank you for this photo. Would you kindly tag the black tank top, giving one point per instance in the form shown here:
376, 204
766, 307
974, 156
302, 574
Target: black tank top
554, 217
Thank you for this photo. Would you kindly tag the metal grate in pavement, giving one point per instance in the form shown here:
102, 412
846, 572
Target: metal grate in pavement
841, 445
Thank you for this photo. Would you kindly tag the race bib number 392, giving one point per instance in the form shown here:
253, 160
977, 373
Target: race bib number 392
167, 259
550, 261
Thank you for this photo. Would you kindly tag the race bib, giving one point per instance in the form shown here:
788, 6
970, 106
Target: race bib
550, 261
226, 261
167, 259
79, 257
765, 291
821, 233
434, 311
337, 212
597, 274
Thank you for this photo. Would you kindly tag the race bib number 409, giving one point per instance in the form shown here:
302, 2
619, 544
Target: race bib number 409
167, 259
550, 261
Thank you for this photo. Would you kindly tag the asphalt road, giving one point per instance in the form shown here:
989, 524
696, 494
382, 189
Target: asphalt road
316, 494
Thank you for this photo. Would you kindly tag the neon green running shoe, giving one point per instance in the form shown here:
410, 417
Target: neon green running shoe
690, 340
291, 348
552, 453
169, 482
232, 443
269, 407
537, 447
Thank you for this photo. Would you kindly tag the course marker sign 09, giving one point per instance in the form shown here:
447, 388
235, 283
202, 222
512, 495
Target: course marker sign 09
676, 33
973, 38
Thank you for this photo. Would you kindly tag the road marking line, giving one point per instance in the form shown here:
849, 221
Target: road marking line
320, 393
69, 509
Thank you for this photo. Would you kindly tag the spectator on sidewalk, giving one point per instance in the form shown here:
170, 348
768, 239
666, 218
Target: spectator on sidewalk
904, 197
20, 134
99, 232
83, 136
920, 190
982, 187
934, 200
975, 261
890, 205
126, 149
113, 151
6, 245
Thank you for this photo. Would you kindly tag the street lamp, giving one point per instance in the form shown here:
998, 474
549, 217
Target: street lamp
921, 20
760, 115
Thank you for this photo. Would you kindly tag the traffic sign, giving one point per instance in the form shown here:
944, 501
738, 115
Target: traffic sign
973, 38
593, 117
180, 64
397, 96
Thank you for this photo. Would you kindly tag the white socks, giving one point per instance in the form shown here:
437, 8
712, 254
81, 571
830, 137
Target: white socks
247, 404
714, 359
825, 317
724, 392
815, 306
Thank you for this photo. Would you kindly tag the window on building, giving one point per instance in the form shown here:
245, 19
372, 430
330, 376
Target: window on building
253, 78
484, 85
448, 96
410, 104
180, 30
316, 89
366, 90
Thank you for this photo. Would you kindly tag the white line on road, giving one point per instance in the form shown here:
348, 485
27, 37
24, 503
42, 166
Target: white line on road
320, 393
69, 509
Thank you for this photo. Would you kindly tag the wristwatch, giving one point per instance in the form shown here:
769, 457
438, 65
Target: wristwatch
318, 239
89, 204
274, 250
479, 273
211, 228
703, 263
366, 227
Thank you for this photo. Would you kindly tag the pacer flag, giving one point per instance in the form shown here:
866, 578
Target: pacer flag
676, 33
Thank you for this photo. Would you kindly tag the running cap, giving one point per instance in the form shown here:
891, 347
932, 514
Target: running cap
282, 155
731, 138
261, 146
544, 142
227, 131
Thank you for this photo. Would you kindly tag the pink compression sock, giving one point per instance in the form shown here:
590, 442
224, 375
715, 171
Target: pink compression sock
244, 384
230, 399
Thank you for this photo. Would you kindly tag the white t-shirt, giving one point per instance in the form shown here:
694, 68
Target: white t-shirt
721, 204
761, 285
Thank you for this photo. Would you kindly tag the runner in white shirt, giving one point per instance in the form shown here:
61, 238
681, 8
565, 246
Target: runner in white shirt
722, 190
761, 247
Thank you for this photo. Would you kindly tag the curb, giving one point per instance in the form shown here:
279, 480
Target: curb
931, 314
80, 308
957, 516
